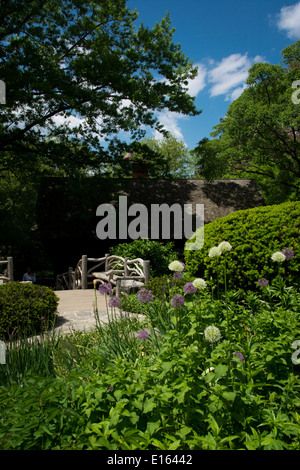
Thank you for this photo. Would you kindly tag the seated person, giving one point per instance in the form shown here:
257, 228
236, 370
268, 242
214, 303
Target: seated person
29, 276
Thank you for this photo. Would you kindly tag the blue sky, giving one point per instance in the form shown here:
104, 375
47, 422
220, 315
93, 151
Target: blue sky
223, 38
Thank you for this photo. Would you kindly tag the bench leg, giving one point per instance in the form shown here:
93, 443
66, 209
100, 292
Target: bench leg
118, 288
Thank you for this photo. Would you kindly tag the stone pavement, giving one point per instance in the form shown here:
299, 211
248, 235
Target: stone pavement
76, 310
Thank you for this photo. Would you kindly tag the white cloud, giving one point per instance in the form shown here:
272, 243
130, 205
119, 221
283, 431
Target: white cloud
234, 95
70, 121
170, 123
226, 77
171, 120
289, 20
231, 72
197, 84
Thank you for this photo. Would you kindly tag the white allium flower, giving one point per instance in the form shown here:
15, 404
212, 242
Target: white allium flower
224, 246
214, 252
176, 266
212, 334
278, 256
199, 283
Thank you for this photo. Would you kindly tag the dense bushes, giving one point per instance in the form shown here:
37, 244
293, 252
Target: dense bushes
25, 307
179, 390
255, 234
159, 254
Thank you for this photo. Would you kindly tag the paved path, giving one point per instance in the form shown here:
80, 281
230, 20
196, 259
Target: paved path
76, 310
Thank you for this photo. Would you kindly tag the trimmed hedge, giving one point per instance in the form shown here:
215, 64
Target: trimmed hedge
25, 307
255, 234
159, 254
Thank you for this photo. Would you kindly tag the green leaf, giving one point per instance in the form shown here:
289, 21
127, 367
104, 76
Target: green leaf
118, 394
152, 427
229, 396
149, 405
166, 366
184, 431
220, 371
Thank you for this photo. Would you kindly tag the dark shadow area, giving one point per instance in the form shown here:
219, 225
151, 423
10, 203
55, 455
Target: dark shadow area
66, 217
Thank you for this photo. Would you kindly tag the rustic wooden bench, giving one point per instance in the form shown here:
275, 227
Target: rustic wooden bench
123, 274
7, 275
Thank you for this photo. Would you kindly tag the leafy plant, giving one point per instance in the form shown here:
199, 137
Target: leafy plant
185, 388
26, 357
255, 234
26, 307
158, 253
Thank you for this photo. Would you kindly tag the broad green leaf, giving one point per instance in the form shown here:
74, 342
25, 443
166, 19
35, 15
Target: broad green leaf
149, 405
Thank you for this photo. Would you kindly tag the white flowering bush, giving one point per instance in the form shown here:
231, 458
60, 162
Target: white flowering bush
224, 247
254, 235
214, 252
212, 334
278, 257
176, 266
199, 283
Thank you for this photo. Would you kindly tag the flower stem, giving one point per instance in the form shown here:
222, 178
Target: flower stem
226, 299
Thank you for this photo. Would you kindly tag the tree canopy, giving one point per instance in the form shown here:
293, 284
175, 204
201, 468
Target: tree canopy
259, 136
79, 73
168, 157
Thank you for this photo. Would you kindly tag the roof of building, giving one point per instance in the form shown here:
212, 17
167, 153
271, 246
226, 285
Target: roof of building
67, 207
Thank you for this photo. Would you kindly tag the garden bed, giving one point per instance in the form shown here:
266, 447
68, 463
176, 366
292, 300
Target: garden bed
201, 369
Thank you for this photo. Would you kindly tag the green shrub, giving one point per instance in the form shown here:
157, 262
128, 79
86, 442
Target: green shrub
131, 304
159, 254
255, 234
25, 307
161, 287
188, 393
25, 358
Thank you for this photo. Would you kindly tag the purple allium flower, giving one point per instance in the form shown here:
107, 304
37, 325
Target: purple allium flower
239, 355
183, 265
288, 253
145, 296
114, 302
189, 288
143, 334
105, 288
262, 282
177, 275
177, 300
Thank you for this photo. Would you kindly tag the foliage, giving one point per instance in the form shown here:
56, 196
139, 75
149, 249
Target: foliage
131, 304
172, 389
76, 74
255, 234
26, 357
160, 286
174, 160
159, 254
188, 394
26, 307
259, 136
